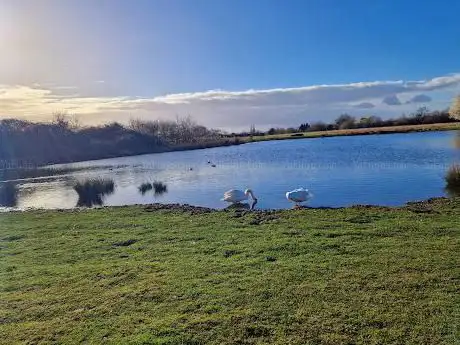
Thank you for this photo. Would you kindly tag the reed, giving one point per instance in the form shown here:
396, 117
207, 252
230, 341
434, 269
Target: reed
145, 187
453, 180
92, 191
159, 187
8, 194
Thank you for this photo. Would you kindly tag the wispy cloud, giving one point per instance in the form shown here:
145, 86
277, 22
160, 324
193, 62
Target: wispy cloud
64, 88
229, 109
365, 105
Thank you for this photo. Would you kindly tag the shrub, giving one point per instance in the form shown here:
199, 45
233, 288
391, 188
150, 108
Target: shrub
345, 121
453, 180
317, 127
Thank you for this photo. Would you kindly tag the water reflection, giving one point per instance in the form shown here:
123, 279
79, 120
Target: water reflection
8, 194
92, 192
243, 206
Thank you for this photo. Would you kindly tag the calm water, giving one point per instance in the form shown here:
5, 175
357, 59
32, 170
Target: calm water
340, 171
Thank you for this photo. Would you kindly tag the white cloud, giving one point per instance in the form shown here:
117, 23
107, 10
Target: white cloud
227, 109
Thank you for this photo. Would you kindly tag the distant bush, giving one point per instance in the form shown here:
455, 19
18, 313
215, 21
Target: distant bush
345, 121
369, 121
318, 127
304, 127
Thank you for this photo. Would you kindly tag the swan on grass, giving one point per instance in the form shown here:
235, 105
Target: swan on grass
299, 196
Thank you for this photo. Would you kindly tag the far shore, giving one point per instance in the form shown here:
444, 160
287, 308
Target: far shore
452, 126
358, 131
235, 140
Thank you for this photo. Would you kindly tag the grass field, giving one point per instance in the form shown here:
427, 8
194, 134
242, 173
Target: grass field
359, 131
139, 275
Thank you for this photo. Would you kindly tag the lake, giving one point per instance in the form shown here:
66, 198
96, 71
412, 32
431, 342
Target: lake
387, 170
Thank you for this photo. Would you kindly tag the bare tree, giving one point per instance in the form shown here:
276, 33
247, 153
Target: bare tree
66, 121
178, 132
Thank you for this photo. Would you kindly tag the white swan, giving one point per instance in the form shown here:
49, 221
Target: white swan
299, 195
236, 196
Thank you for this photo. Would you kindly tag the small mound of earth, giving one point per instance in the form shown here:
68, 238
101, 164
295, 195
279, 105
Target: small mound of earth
178, 207
124, 243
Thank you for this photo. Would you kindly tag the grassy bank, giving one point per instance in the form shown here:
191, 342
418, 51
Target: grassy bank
137, 275
359, 131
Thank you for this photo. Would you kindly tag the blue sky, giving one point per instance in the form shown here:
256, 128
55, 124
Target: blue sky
110, 51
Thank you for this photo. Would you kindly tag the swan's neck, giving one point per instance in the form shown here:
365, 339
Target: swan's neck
251, 194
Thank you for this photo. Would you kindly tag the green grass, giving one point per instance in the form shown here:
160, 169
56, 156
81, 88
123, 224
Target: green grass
134, 275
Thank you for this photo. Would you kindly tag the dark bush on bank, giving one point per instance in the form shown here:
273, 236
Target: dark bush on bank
453, 180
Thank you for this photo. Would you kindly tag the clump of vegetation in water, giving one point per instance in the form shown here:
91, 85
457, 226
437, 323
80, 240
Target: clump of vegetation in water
145, 187
92, 191
453, 180
8, 194
159, 187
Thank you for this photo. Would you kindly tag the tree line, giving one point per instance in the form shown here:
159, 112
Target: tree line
28, 144
25, 144
345, 121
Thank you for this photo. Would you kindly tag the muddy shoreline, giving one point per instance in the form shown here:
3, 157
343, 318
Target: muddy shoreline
420, 206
